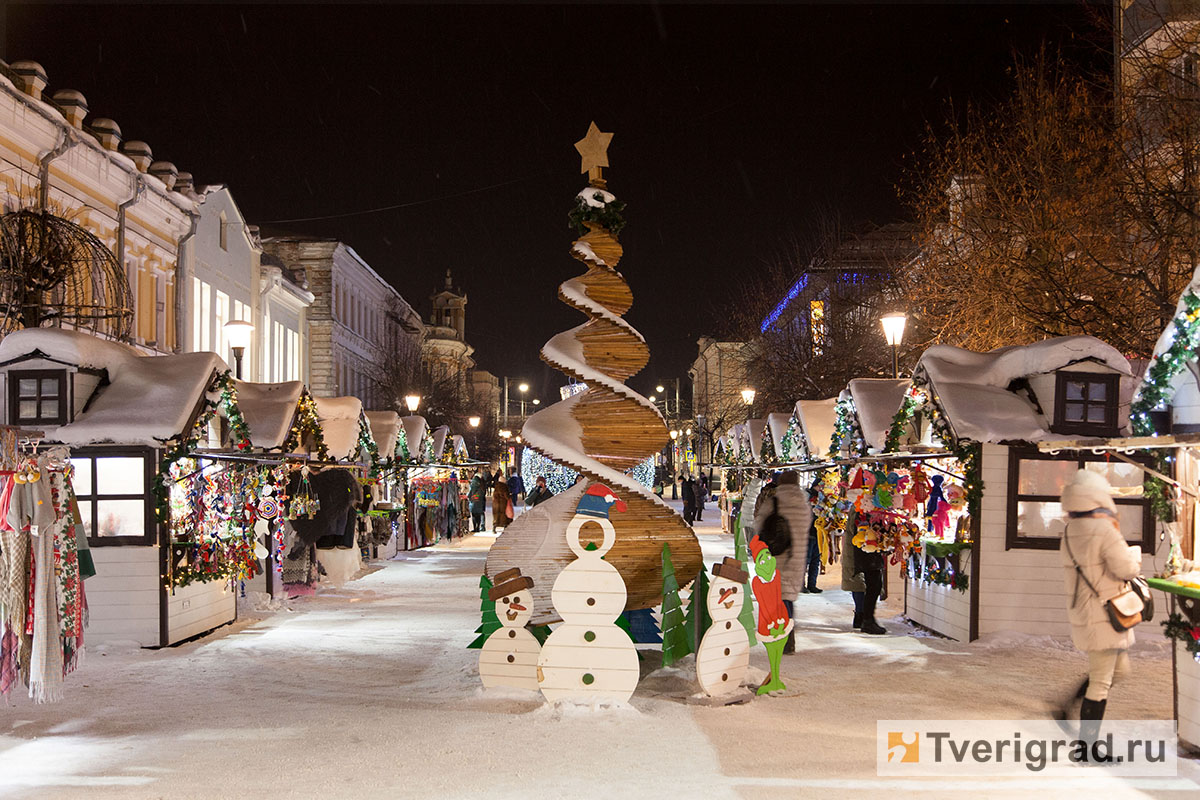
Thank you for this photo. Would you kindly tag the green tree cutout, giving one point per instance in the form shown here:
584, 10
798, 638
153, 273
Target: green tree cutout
674, 634
742, 554
697, 620
489, 623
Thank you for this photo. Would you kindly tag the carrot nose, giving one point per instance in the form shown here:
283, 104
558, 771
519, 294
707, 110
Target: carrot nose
516, 606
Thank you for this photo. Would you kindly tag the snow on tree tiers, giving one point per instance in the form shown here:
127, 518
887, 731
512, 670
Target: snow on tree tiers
602, 433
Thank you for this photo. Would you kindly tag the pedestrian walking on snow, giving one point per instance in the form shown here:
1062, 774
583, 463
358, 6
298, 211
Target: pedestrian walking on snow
701, 496
476, 501
790, 502
1097, 561
814, 552
688, 491
502, 513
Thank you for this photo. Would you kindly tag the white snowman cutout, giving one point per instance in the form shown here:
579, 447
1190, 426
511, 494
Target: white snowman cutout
588, 657
510, 655
724, 652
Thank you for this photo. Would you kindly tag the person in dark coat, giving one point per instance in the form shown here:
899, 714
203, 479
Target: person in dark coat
701, 496
814, 553
541, 492
476, 501
688, 490
516, 486
860, 568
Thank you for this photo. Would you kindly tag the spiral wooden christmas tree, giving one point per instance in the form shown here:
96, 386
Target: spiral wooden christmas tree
604, 431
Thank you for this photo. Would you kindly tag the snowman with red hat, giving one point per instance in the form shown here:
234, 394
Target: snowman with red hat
588, 657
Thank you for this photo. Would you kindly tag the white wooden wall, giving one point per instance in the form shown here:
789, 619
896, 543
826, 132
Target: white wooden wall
940, 608
1020, 590
123, 600
123, 596
1188, 672
198, 608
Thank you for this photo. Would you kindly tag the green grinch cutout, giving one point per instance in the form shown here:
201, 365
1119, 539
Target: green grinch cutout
774, 624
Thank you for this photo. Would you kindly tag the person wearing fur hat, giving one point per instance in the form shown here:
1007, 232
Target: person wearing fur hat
1094, 552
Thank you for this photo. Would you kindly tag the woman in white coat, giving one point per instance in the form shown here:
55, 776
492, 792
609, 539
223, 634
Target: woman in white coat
1093, 542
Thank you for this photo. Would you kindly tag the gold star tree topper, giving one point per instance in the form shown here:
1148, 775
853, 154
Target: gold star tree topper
594, 149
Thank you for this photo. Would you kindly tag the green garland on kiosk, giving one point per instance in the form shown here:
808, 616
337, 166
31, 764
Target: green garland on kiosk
766, 447
920, 397
1154, 393
1176, 627
239, 436
306, 424
366, 443
846, 432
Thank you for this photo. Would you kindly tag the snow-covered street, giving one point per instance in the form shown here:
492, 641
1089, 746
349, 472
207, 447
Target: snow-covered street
370, 692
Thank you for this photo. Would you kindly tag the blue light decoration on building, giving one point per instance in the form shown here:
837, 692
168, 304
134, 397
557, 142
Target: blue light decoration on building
792, 294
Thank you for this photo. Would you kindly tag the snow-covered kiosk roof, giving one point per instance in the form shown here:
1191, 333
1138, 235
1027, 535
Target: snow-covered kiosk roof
754, 430
876, 401
816, 418
777, 428
1008, 394
134, 399
415, 427
440, 435
269, 410
342, 421
460, 447
385, 429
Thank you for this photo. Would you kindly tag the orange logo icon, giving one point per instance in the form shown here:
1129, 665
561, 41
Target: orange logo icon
904, 748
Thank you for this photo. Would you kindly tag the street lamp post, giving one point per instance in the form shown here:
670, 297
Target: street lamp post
474, 423
674, 465
893, 332
238, 332
523, 388
505, 435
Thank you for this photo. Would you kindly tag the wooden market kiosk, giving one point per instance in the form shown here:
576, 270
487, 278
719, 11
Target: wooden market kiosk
122, 414
990, 411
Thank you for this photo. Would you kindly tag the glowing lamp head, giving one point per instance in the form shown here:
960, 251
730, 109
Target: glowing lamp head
748, 396
659, 389
537, 402
893, 327
652, 398
473, 422
524, 387
411, 402
674, 434
238, 332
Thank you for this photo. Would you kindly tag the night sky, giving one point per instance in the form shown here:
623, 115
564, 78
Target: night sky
731, 123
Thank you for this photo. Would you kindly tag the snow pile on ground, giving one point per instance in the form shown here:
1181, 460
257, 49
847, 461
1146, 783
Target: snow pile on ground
369, 692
